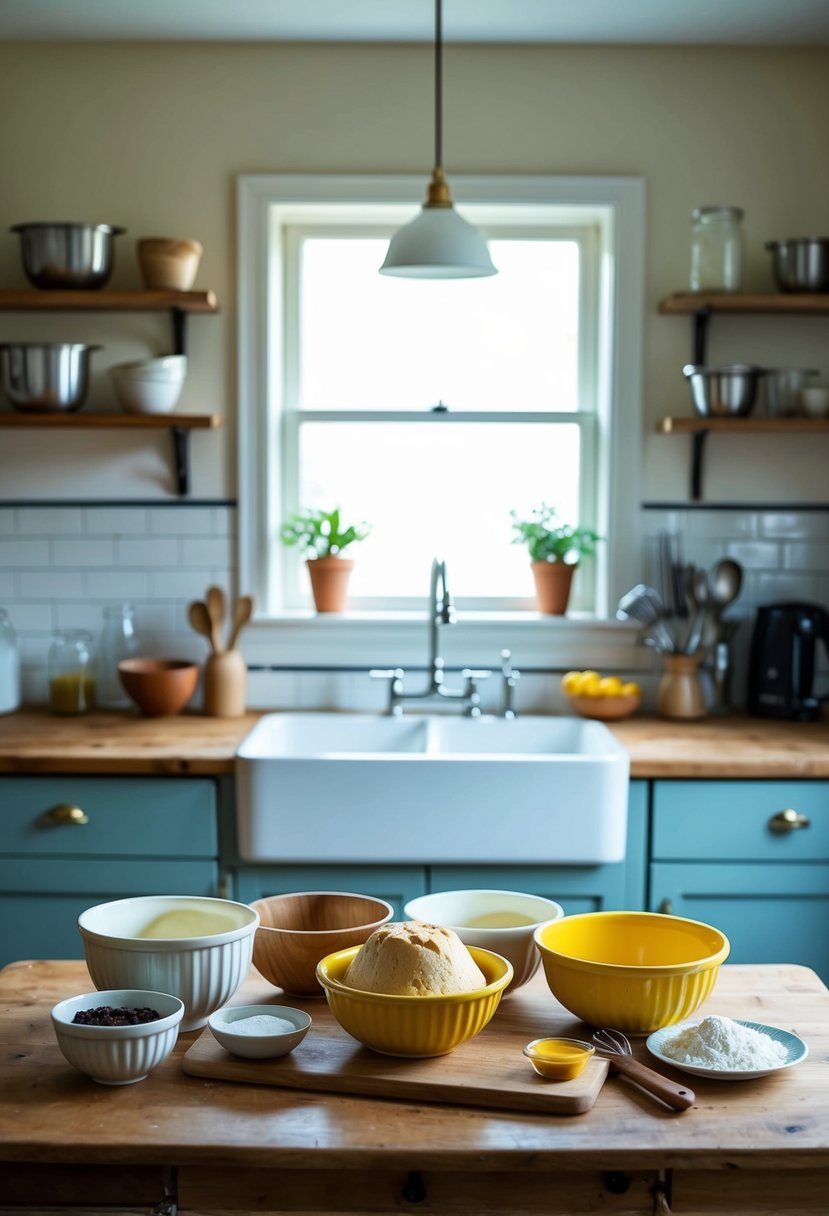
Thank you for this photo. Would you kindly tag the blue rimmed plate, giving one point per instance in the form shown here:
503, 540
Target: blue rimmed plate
796, 1050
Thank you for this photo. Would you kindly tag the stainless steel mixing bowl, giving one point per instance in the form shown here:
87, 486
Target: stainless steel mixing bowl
45, 377
801, 264
67, 256
723, 392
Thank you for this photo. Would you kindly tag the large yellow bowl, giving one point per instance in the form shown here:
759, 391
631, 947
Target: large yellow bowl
416, 1026
632, 971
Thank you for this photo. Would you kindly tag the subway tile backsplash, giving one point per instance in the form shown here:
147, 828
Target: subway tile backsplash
60, 566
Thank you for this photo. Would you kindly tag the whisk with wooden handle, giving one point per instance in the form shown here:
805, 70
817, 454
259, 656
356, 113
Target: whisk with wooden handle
615, 1047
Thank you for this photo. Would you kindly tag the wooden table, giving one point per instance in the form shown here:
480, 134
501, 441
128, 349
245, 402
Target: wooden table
758, 1147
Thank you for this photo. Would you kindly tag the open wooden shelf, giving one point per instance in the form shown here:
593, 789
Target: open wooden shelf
33, 299
179, 426
743, 426
686, 303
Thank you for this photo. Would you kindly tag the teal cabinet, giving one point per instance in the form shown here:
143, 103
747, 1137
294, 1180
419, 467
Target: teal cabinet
67, 843
724, 852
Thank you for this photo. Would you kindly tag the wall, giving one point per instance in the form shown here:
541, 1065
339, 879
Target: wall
153, 137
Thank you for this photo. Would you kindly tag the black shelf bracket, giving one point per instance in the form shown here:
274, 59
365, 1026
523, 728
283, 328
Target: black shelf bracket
181, 457
698, 443
179, 318
701, 318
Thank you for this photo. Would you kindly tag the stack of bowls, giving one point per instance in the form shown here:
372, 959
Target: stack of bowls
503, 922
150, 386
203, 969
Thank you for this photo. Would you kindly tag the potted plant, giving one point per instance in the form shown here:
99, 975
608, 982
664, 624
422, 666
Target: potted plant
555, 552
323, 537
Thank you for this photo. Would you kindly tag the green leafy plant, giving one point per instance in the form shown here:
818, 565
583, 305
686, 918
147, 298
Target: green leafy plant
548, 541
321, 533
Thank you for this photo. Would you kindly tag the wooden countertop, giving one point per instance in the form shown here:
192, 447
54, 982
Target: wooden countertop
35, 741
51, 1113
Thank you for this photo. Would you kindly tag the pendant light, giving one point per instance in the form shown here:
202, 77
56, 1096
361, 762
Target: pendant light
438, 243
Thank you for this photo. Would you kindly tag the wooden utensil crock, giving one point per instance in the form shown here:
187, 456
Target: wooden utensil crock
225, 684
680, 693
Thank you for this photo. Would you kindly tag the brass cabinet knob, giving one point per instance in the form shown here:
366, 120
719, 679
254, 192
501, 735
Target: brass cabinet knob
788, 821
65, 812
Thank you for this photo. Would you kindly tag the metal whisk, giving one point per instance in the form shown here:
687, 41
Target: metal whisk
615, 1046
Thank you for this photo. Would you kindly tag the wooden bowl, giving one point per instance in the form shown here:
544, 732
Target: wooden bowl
159, 687
167, 263
606, 709
297, 930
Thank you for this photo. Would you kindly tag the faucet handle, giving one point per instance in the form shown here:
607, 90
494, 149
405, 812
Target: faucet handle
386, 673
475, 673
507, 669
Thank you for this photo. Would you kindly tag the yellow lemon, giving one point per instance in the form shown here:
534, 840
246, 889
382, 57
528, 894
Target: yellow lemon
570, 683
610, 686
590, 685
631, 690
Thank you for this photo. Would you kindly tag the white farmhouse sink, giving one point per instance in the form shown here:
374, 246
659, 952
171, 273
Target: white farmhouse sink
329, 787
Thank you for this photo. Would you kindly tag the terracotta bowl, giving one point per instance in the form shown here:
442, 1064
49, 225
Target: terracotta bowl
159, 687
297, 930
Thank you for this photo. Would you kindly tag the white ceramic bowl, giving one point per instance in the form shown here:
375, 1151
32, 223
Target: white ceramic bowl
204, 971
501, 921
152, 386
225, 1027
118, 1055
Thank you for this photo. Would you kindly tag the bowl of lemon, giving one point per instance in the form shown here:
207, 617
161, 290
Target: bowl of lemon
607, 698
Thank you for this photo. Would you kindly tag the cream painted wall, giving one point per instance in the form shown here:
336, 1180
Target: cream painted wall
152, 137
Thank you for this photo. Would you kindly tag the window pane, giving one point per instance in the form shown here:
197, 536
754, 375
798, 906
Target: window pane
446, 489
372, 342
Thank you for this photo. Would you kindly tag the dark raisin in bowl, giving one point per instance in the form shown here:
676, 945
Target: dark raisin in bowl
105, 1015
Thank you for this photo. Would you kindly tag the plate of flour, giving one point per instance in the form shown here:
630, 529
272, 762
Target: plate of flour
726, 1049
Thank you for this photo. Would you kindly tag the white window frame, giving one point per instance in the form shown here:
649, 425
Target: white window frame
372, 637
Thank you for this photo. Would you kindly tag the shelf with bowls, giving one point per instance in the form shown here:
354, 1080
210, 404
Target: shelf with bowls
179, 304
702, 306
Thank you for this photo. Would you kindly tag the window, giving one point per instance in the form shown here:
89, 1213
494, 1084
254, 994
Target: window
431, 408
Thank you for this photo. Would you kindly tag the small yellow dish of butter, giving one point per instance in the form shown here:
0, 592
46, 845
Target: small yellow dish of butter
559, 1059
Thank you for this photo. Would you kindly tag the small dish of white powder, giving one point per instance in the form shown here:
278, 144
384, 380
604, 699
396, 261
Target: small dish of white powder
727, 1049
259, 1032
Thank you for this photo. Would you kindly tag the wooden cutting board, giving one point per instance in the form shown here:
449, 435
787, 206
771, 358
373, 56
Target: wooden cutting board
489, 1070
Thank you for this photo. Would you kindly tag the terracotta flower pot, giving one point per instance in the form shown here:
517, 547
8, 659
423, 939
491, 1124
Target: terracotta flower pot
552, 586
329, 582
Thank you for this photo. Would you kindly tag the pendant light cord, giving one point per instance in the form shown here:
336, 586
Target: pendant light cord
438, 84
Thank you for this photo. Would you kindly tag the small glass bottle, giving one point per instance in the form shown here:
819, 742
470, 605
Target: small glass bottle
71, 683
9, 666
118, 641
716, 249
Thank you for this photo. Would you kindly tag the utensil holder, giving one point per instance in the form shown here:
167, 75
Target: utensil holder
225, 685
680, 694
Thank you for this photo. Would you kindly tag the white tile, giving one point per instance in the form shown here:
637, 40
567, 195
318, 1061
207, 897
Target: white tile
203, 552
116, 585
755, 555
8, 523
147, 552
224, 521
272, 690
48, 521
80, 616
806, 556
723, 525
6, 586
770, 588
50, 585
158, 618
34, 683
794, 525
115, 521
88, 551
28, 617
178, 584
16, 552
181, 521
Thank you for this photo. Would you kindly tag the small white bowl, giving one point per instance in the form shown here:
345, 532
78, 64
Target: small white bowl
814, 400
224, 1024
150, 387
118, 1055
204, 971
503, 922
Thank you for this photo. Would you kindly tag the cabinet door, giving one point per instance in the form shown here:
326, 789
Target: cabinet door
769, 913
41, 899
396, 884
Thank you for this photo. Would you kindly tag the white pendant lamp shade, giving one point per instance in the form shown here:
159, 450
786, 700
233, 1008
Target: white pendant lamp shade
438, 243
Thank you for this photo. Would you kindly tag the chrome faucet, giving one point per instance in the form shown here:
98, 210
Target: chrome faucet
441, 611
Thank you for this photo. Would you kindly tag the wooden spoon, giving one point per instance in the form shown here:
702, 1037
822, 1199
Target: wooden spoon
199, 619
217, 611
242, 613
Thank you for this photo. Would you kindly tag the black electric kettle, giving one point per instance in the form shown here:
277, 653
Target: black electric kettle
782, 661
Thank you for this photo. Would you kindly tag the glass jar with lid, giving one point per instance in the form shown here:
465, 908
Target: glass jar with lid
9, 666
71, 681
118, 640
716, 249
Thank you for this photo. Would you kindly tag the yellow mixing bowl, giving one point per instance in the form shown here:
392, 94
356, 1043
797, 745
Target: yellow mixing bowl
632, 971
413, 1025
